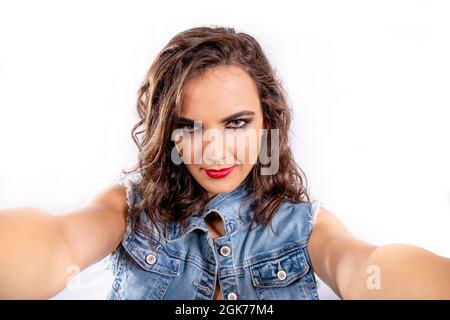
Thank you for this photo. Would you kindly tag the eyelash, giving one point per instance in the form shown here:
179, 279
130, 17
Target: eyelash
242, 126
190, 128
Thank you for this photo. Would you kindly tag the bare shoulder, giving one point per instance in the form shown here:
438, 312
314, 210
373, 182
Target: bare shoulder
113, 197
334, 250
328, 232
325, 218
96, 229
327, 228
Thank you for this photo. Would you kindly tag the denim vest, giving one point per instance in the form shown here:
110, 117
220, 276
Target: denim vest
263, 263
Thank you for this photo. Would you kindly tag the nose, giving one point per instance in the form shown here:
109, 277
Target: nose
215, 149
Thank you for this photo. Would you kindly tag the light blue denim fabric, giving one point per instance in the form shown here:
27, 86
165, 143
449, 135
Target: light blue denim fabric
258, 265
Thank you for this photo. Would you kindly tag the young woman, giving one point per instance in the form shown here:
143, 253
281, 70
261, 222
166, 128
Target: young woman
218, 208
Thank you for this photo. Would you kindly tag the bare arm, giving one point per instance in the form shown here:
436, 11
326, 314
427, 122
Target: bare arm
355, 269
38, 248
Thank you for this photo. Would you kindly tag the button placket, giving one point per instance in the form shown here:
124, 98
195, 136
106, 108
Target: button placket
223, 247
225, 250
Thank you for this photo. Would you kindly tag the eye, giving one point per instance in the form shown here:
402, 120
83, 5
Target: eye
190, 128
238, 123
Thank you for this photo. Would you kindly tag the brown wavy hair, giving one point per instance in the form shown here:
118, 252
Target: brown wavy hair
168, 191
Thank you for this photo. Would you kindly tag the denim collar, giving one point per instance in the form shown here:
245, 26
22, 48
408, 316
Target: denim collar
233, 208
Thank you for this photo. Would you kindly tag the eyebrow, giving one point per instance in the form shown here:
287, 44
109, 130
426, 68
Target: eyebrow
224, 120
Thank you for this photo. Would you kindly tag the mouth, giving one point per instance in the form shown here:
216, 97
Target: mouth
221, 173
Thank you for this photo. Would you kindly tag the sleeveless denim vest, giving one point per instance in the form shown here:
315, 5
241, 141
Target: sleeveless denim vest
263, 263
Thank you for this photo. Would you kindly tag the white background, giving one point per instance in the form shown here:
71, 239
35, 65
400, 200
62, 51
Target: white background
368, 80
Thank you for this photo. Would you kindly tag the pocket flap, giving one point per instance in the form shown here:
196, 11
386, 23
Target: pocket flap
280, 268
150, 254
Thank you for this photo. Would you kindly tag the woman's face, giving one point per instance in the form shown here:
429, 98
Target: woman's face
225, 106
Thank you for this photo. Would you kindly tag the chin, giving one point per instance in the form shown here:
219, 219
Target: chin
220, 187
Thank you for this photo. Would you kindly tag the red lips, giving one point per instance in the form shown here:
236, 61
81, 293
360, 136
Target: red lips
216, 174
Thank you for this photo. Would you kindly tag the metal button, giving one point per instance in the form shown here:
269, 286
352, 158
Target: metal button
150, 259
281, 274
232, 296
225, 251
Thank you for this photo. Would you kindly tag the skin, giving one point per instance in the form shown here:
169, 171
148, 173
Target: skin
222, 92
39, 247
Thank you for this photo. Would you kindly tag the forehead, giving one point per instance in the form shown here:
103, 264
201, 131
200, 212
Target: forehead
218, 93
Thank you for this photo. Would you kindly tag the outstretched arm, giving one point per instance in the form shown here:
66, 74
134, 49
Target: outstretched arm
355, 269
38, 249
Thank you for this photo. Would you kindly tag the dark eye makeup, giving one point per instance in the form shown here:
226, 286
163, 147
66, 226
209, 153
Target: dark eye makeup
232, 124
238, 123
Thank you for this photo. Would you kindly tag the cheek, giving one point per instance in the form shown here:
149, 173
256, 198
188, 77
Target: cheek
191, 150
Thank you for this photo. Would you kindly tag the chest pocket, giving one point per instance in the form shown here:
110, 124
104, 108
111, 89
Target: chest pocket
283, 274
150, 254
148, 268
